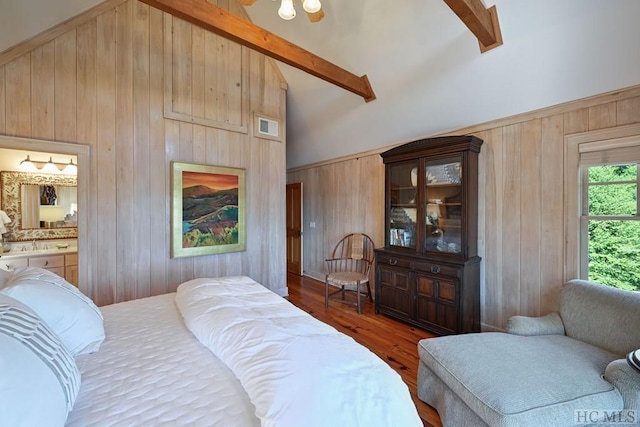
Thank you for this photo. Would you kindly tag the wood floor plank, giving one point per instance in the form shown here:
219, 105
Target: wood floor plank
393, 341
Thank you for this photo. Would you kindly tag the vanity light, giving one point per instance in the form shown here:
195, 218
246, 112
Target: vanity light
50, 166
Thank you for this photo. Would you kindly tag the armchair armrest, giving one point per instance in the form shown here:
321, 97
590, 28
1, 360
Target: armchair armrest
551, 324
627, 380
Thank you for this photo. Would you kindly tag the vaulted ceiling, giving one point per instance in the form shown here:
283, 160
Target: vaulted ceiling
424, 65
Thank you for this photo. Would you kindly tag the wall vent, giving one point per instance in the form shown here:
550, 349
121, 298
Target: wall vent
267, 127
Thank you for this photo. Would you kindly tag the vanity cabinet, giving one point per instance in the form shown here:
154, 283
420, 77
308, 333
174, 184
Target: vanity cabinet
428, 273
64, 265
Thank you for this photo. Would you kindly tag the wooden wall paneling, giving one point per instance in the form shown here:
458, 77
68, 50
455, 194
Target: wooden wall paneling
181, 55
65, 86
172, 149
552, 213
86, 133
576, 121
627, 111
531, 210
125, 170
482, 220
511, 221
159, 193
492, 155
18, 101
104, 166
43, 91
143, 236
86, 38
602, 116
108, 84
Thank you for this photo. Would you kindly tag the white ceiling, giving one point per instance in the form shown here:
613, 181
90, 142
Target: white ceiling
423, 64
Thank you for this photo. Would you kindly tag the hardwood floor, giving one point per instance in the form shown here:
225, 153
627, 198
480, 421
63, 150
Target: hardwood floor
393, 341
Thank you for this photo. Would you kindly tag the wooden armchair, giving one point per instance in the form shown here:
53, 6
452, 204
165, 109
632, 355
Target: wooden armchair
349, 268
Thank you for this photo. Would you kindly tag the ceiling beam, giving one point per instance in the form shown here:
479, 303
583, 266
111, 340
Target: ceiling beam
219, 21
482, 22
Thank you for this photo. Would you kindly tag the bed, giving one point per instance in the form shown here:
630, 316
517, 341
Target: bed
218, 352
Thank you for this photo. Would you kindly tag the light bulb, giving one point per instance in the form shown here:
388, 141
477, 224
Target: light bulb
50, 166
311, 6
71, 168
26, 164
287, 11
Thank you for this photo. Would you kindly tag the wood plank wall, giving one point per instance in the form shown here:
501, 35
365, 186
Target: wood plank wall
521, 201
100, 82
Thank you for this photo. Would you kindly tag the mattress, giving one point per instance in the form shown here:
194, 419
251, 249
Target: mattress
151, 371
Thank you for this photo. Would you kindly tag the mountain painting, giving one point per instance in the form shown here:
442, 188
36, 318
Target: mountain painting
209, 209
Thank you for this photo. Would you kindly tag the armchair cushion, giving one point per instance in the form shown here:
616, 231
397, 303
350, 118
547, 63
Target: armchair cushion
512, 380
551, 324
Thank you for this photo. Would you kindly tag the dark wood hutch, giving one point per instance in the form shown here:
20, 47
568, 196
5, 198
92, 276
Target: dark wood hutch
428, 273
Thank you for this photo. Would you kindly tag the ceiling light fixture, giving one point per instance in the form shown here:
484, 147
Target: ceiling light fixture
50, 166
287, 10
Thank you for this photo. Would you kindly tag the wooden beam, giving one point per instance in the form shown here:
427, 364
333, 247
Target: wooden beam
219, 21
482, 22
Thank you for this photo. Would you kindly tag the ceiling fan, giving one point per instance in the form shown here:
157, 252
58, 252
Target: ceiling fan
287, 11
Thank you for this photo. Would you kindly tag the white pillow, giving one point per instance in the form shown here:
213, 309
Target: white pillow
4, 277
40, 380
69, 313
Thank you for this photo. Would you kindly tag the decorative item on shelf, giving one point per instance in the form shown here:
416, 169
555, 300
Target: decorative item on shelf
62, 245
287, 10
449, 173
50, 166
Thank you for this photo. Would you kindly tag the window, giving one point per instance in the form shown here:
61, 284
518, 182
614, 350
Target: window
610, 218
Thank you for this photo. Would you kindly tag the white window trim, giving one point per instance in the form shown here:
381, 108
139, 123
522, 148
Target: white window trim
575, 144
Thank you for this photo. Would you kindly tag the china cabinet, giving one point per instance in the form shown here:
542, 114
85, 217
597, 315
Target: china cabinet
428, 273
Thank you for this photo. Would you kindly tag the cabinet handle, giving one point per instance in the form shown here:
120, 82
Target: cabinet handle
393, 261
46, 263
435, 270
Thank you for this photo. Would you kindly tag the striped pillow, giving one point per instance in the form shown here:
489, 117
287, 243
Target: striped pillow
38, 362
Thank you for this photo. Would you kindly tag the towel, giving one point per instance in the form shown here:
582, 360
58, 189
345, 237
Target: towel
4, 220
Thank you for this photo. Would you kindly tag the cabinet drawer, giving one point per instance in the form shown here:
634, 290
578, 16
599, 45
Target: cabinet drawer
71, 259
47, 261
439, 269
12, 264
393, 261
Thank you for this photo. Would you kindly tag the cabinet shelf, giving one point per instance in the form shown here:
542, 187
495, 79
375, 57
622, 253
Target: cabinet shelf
428, 273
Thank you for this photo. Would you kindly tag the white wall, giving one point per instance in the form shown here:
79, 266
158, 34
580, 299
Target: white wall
429, 76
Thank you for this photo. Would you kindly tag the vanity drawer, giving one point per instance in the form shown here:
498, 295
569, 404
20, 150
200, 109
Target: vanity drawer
12, 264
49, 262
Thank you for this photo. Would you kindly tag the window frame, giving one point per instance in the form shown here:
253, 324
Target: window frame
576, 250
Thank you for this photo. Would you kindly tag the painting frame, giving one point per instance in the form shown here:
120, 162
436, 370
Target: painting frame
200, 238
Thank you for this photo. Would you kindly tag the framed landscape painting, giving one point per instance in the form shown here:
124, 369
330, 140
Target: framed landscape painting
207, 210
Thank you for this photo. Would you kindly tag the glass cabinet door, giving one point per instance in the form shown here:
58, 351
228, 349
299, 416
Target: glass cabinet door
403, 207
443, 205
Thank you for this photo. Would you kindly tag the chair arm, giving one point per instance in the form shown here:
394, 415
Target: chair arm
627, 380
551, 324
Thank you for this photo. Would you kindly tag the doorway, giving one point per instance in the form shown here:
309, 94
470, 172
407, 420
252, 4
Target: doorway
81, 152
294, 228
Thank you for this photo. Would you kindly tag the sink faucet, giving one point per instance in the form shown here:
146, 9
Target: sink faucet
34, 245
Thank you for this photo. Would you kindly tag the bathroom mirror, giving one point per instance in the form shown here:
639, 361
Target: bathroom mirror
22, 194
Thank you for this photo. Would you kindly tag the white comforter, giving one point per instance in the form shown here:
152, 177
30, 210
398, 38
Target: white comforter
296, 370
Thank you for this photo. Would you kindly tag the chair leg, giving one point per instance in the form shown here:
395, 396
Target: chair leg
358, 297
369, 290
326, 291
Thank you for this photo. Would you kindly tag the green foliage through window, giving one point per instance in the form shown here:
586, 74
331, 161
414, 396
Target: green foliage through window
614, 244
